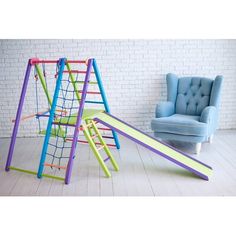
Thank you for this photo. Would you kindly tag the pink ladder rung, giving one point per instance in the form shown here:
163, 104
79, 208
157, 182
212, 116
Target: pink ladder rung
89, 92
101, 128
76, 71
34, 61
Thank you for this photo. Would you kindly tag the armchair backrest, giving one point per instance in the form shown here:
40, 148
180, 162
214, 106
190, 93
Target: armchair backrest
192, 94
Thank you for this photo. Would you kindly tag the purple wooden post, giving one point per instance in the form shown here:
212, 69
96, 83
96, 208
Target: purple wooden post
78, 123
18, 115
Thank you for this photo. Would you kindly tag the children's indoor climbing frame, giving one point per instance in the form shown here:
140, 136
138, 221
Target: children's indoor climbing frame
66, 112
67, 115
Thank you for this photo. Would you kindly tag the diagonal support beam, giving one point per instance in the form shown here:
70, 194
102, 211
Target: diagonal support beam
104, 98
18, 116
78, 122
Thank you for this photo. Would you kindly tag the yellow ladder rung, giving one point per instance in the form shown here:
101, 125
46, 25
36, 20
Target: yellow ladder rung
90, 124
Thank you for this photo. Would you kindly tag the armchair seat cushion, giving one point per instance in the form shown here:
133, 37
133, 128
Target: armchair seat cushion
180, 124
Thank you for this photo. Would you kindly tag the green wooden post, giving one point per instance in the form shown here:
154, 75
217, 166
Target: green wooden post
43, 83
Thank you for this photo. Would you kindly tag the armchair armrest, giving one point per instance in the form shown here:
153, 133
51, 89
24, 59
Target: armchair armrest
209, 115
164, 109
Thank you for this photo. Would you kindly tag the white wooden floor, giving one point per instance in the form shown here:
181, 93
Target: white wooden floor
142, 173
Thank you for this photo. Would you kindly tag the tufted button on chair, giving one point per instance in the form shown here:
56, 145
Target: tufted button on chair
190, 113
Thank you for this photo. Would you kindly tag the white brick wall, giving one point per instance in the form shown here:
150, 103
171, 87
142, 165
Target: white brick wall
133, 74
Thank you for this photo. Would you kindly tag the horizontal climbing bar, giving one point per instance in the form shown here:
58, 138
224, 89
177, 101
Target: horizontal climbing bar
53, 177
35, 173
75, 72
34, 61
25, 118
56, 166
95, 102
82, 82
37, 116
86, 142
108, 158
63, 111
88, 125
101, 128
31, 116
89, 92
72, 125
94, 136
77, 61
23, 170
109, 137
62, 124
100, 147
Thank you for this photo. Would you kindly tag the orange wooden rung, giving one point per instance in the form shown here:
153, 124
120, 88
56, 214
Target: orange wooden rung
30, 116
56, 166
100, 148
94, 136
62, 111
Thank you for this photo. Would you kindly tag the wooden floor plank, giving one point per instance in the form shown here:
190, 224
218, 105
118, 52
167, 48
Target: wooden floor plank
118, 180
79, 179
127, 153
165, 173
93, 175
27, 184
7, 179
142, 173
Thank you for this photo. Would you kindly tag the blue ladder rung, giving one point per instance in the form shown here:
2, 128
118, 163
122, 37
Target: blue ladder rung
42, 114
96, 102
109, 137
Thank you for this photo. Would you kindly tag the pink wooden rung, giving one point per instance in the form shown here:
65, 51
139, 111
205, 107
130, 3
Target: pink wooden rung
34, 61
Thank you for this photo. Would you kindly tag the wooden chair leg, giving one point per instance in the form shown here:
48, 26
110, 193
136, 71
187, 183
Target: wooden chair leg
198, 148
210, 140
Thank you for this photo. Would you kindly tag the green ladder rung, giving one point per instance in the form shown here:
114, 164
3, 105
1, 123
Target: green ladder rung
35, 173
55, 133
82, 82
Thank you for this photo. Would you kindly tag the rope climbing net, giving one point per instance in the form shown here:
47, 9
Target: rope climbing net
65, 115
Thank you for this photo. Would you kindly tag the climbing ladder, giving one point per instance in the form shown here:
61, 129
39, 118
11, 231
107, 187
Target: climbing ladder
92, 133
103, 99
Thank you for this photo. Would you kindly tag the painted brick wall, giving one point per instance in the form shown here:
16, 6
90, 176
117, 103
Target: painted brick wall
133, 74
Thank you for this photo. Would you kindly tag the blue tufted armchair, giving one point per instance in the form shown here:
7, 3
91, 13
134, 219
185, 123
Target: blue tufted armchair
190, 113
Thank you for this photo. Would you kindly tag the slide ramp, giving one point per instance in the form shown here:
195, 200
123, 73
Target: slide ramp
158, 147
